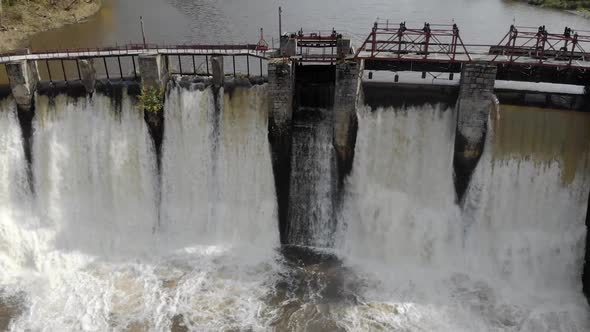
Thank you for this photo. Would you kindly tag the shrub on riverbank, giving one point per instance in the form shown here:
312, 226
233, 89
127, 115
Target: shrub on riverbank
563, 4
22, 18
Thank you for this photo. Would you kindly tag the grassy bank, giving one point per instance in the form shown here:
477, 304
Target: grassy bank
581, 5
19, 19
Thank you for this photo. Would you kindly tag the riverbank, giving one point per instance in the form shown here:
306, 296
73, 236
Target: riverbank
24, 19
576, 7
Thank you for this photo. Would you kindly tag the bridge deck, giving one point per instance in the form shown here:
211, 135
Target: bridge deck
463, 58
114, 52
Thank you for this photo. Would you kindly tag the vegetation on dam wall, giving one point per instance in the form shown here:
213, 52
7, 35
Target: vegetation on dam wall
20, 19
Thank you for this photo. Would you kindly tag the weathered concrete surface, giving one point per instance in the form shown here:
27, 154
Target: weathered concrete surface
476, 99
153, 71
217, 70
345, 121
23, 76
586, 273
288, 46
280, 79
88, 74
342, 48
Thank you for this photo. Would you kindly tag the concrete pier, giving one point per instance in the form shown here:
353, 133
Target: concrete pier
88, 74
476, 100
342, 48
345, 121
23, 76
281, 84
153, 71
154, 75
288, 46
586, 272
217, 71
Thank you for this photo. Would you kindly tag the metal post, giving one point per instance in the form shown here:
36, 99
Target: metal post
574, 42
48, 71
260, 67
207, 64
134, 68
233, 57
142, 31
514, 35
248, 64
78, 67
374, 33
120, 68
63, 68
106, 68
180, 64
194, 66
280, 22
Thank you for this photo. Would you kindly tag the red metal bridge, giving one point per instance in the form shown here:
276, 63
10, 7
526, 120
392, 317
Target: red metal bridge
524, 54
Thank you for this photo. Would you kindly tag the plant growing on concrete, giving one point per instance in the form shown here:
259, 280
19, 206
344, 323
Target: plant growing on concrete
152, 99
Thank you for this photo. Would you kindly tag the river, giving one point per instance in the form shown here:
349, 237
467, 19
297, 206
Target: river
211, 21
104, 241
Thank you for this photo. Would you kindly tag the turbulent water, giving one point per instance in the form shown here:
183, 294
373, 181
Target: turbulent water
88, 251
100, 241
510, 260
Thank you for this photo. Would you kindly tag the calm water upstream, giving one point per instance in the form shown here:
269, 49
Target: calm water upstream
229, 21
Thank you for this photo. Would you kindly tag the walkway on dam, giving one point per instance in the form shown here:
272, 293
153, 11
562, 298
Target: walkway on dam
524, 54
135, 50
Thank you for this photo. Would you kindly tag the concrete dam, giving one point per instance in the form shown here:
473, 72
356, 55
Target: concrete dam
299, 148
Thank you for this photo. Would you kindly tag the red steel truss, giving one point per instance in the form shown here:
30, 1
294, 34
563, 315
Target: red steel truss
433, 40
437, 43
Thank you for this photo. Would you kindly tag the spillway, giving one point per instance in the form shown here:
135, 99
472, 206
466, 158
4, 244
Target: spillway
96, 238
509, 259
104, 242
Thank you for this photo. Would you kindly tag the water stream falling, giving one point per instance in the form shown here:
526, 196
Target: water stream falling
87, 251
101, 242
510, 260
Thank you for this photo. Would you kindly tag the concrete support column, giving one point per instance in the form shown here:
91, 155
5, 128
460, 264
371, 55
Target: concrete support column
217, 70
288, 46
345, 120
281, 85
153, 71
23, 76
342, 48
88, 74
586, 272
476, 100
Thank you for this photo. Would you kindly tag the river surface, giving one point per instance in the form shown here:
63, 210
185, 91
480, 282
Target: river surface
228, 21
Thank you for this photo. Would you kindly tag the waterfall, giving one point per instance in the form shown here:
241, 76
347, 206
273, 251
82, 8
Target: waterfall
400, 196
94, 171
510, 259
101, 243
15, 195
217, 184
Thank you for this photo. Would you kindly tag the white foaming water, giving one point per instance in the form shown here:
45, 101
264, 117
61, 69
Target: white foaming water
217, 183
510, 262
88, 251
